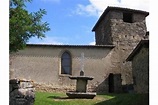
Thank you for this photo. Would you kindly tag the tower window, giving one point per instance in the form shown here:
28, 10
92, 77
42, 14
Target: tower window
128, 17
66, 63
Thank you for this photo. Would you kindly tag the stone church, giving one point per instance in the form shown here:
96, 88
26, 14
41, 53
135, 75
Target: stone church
117, 33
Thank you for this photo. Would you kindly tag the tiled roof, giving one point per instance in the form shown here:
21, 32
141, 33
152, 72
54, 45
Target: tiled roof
109, 8
78, 46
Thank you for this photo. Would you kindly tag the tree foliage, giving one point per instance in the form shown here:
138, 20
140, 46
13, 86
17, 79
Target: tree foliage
24, 25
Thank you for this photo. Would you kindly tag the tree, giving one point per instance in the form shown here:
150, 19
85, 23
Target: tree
24, 25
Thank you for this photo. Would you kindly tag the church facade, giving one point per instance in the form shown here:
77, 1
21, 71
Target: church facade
117, 32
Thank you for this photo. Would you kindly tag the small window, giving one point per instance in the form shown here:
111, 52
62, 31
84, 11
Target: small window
128, 17
66, 63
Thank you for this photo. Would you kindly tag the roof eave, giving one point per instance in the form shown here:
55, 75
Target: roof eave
90, 46
142, 42
117, 8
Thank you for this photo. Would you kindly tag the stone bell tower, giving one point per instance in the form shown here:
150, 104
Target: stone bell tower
124, 28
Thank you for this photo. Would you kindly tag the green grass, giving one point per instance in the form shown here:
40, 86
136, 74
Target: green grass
44, 98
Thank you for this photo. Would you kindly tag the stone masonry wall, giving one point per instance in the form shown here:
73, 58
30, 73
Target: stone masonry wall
103, 37
125, 36
140, 65
42, 65
21, 92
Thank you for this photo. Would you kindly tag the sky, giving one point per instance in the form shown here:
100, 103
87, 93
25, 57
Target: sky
71, 21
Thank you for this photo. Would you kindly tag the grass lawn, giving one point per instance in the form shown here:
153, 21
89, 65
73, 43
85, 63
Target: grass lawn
44, 98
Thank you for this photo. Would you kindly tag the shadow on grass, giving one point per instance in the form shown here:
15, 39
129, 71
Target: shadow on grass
126, 99
58, 97
62, 98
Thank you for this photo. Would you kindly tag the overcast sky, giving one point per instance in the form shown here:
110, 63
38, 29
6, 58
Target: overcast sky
71, 21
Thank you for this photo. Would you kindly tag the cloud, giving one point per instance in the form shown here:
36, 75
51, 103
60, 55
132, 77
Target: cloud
119, 1
47, 40
92, 43
88, 10
96, 7
135, 4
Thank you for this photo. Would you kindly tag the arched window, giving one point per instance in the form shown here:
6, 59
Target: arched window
66, 63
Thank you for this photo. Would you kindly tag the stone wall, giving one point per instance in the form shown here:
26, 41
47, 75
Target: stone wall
124, 35
21, 92
140, 65
103, 32
42, 65
117, 83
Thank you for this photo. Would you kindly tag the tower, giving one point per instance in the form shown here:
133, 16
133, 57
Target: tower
124, 28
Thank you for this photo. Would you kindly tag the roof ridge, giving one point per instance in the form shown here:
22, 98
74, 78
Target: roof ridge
55, 45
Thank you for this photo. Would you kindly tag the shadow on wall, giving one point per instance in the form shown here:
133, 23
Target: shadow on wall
126, 99
128, 88
102, 87
113, 84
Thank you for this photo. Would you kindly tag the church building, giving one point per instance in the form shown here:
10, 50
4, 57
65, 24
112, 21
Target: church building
117, 33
